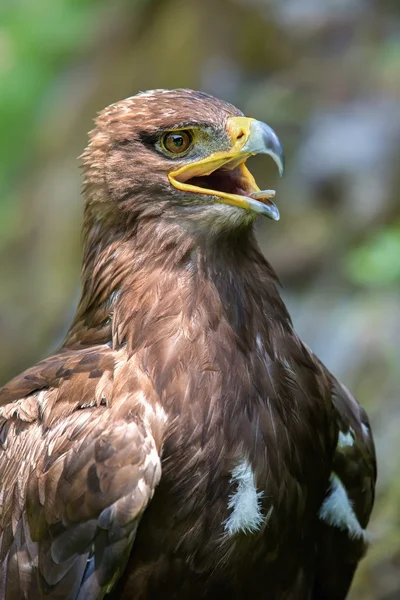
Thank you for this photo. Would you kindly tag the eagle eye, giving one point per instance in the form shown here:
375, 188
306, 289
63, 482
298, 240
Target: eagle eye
176, 142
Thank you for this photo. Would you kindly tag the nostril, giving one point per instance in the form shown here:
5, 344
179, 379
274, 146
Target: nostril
240, 135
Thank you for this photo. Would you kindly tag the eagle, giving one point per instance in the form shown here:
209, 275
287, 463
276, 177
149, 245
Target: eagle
183, 442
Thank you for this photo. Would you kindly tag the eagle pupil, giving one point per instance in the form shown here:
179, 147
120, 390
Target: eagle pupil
178, 140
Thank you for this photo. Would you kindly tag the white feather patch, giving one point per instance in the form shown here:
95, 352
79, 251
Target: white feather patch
337, 510
365, 430
346, 439
245, 503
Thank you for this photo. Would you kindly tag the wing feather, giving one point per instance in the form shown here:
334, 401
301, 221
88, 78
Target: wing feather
78, 466
347, 507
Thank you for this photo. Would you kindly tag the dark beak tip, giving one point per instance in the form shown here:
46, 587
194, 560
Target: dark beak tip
276, 214
273, 144
281, 168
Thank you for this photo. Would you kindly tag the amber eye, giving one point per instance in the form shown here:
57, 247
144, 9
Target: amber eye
177, 142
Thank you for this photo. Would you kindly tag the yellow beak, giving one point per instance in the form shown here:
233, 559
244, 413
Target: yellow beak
248, 137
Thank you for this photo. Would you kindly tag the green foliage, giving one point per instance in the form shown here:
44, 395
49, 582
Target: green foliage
37, 37
377, 261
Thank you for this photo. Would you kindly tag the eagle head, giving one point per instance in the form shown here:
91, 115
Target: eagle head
180, 155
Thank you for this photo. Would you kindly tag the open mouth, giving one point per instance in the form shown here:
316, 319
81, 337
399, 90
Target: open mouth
224, 175
229, 181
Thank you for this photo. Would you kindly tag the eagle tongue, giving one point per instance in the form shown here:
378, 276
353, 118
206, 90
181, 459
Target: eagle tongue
264, 196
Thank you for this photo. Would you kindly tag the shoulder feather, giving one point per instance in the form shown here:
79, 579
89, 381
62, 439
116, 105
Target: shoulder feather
80, 444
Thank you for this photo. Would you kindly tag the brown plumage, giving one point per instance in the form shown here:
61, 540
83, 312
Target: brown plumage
183, 442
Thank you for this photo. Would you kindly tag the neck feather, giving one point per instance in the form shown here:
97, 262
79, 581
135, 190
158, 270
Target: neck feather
143, 280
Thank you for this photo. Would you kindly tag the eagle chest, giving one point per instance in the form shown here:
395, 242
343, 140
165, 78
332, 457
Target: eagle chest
243, 466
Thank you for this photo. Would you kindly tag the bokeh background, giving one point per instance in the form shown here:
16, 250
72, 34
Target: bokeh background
325, 74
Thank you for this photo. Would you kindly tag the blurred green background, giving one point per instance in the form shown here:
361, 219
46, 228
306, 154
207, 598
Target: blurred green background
325, 74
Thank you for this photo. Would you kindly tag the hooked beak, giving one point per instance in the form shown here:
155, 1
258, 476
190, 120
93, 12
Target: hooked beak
224, 174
